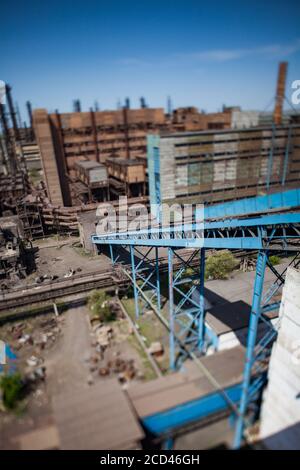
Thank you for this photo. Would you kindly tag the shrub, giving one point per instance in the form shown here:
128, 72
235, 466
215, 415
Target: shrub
11, 386
220, 265
99, 307
274, 260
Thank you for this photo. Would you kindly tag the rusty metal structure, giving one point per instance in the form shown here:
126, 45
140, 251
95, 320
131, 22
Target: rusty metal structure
67, 138
127, 177
17, 257
280, 93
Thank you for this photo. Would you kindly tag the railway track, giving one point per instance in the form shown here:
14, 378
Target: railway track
77, 284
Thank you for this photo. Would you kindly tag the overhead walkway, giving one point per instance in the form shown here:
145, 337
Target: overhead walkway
186, 324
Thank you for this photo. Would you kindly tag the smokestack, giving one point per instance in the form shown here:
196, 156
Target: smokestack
76, 106
12, 112
30, 134
143, 102
169, 106
280, 93
29, 111
10, 148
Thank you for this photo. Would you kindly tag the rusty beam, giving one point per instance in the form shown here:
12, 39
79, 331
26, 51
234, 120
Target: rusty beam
280, 93
93, 121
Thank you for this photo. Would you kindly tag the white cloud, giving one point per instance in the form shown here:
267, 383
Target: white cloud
224, 55
271, 51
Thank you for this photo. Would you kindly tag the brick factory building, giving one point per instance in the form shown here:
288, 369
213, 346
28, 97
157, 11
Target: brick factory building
67, 138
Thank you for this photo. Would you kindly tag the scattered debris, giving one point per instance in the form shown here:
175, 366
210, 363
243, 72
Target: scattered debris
70, 273
33, 361
156, 349
247, 264
104, 334
25, 338
37, 375
90, 380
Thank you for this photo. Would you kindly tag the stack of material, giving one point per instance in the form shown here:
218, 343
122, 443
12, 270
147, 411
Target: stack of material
280, 416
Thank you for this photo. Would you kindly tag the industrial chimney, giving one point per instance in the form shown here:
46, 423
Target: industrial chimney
280, 93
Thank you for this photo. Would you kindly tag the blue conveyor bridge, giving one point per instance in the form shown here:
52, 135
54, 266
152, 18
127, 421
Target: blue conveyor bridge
265, 234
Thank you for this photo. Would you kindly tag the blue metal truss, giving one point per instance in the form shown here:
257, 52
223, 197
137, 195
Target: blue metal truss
145, 276
187, 315
186, 310
248, 234
258, 352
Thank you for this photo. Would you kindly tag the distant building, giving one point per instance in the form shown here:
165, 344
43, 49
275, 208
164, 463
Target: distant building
67, 138
217, 166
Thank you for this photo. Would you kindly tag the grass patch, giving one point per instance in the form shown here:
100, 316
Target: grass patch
148, 371
99, 307
274, 259
12, 389
152, 329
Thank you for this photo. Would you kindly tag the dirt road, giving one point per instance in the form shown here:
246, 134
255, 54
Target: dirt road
66, 367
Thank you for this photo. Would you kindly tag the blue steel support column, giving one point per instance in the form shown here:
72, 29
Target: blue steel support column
252, 333
136, 298
171, 309
111, 254
202, 301
157, 278
168, 443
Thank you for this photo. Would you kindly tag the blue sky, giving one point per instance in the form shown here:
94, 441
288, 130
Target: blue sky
200, 53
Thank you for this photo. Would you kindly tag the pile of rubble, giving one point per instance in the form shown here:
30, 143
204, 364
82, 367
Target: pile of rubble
30, 340
39, 338
247, 264
105, 362
124, 369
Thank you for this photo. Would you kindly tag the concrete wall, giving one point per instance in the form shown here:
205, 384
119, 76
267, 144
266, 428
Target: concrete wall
280, 414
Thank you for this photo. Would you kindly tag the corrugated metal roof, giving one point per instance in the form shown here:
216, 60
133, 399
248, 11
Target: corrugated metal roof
174, 390
99, 417
88, 164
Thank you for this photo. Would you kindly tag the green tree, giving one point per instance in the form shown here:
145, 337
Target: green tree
11, 386
220, 265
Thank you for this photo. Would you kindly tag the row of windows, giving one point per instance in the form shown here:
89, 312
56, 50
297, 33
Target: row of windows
235, 153
108, 151
227, 190
88, 130
225, 141
103, 142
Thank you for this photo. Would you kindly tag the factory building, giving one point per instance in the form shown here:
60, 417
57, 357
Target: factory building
67, 138
216, 166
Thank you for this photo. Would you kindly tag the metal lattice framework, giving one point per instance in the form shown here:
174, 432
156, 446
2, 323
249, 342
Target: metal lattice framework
187, 315
145, 274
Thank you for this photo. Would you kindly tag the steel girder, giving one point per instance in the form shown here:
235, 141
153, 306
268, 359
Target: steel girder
258, 351
250, 234
186, 317
145, 274
186, 305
